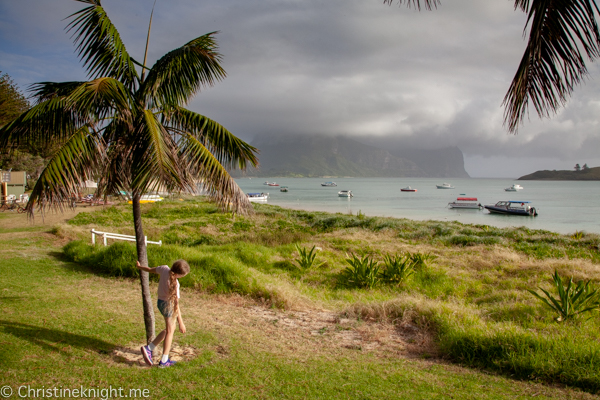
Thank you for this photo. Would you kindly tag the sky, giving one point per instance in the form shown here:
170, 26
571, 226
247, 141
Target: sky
338, 67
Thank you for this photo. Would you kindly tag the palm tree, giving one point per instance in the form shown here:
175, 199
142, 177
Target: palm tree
553, 63
131, 132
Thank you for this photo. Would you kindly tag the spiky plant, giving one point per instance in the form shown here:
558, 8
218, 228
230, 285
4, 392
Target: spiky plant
397, 269
307, 258
573, 299
361, 273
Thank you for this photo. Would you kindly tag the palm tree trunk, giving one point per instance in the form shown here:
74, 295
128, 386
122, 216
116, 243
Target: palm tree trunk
143, 259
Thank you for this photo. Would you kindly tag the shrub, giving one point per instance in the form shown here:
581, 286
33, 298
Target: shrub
307, 258
572, 301
397, 269
420, 260
362, 273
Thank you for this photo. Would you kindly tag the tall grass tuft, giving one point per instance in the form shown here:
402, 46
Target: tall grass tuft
573, 300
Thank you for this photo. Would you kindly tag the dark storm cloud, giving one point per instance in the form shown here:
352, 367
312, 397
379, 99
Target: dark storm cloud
354, 67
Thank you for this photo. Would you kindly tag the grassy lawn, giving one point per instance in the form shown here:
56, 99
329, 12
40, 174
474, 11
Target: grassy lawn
462, 327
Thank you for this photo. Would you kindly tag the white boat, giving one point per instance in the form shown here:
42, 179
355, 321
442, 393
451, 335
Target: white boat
465, 202
345, 193
257, 196
444, 186
408, 189
328, 184
514, 188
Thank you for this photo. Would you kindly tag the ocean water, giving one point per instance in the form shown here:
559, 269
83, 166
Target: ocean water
563, 206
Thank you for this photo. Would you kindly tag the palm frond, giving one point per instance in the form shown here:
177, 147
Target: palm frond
75, 162
553, 63
102, 97
99, 45
429, 4
153, 157
231, 151
50, 121
215, 179
179, 74
43, 91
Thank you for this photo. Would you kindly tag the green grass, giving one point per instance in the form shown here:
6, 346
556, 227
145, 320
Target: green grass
74, 306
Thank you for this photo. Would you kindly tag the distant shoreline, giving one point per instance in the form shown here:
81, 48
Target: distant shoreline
590, 174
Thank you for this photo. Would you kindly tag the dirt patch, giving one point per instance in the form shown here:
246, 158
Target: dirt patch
12, 220
132, 354
334, 331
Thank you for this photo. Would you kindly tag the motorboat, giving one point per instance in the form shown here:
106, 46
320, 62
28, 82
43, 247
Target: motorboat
408, 189
146, 198
345, 193
330, 184
513, 208
465, 202
444, 186
513, 188
257, 196
283, 189
273, 184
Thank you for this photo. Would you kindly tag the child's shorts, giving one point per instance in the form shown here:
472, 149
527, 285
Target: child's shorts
163, 307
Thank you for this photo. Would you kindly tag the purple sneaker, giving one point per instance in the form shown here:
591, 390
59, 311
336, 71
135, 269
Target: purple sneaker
169, 363
147, 354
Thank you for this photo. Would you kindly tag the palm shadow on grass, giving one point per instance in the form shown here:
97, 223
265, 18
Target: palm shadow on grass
53, 340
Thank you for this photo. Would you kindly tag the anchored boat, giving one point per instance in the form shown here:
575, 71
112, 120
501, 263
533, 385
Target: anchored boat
257, 196
513, 208
465, 202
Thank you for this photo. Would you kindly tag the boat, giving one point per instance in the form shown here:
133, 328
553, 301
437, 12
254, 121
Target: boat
444, 186
283, 189
513, 207
345, 193
273, 184
328, 184
408, 189
513, 188
465, 202
257, 196
148, 198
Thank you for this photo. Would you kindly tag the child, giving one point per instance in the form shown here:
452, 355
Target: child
168, 305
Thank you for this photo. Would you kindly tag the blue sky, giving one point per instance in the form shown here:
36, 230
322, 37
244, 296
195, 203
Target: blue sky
350, 67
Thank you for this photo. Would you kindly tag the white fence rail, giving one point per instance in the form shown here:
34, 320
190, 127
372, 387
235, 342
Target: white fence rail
118, 236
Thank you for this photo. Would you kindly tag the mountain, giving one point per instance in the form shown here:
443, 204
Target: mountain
590, 174
322, 156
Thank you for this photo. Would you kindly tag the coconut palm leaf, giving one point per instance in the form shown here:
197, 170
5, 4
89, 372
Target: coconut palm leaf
206, 169
553, 63
48, 122
227, 148
101, 97
43, 91
74, 163
99, 45
181, 73
153, 155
